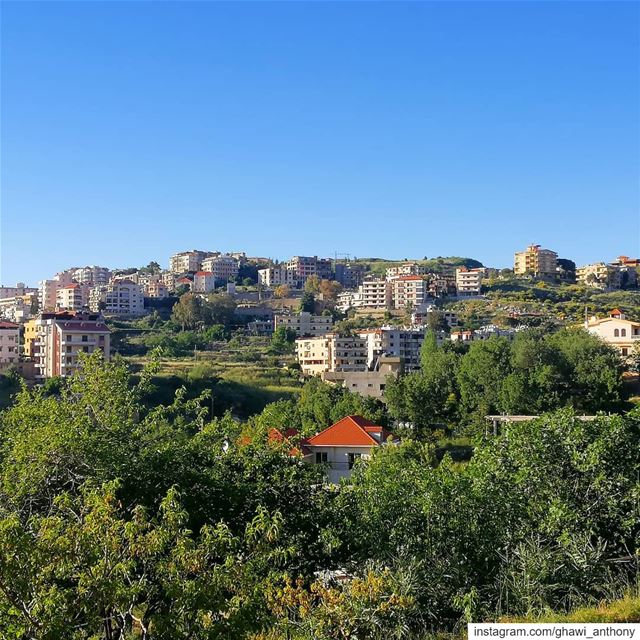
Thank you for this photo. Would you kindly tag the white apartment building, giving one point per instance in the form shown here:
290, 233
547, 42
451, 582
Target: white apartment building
349, 300
223, 267
305, 323
9, 343
408, 291
122, 298
331, 353
399, 342
188, 261
203, 282
616, 330
375, 293
61, 338
276, 276
536, 261
72, 297
406, 269
469, 281
92, 275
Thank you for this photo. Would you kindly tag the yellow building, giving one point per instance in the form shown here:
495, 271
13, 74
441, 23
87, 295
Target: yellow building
535, 261
30, 336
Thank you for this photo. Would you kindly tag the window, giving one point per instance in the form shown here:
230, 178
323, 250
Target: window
321, 458
625, 351
352, 459
85, 338
69, 348
623, 332
616, 333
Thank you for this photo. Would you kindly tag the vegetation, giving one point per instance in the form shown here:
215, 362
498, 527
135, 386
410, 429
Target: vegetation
535, 373
123, 518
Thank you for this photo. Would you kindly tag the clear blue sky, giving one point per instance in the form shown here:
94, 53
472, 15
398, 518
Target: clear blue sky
131, 130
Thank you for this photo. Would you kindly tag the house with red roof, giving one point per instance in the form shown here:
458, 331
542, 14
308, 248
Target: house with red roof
616, 330
342, 444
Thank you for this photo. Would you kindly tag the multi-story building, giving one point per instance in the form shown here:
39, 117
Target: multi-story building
375, 293
535, 261
305, 324
61, 338
399, 342
616, 330
469, 281
9, 343
349, 300
122, 298
331, 352
72, 297
614, 275
599, 275
203, 282
408, 291
18, 308
276, 276
188, 261
92, 275
19, 290
370, 383
406, 269
47, 290
30, 336
156, 288
349, 275
304, 266
222, 267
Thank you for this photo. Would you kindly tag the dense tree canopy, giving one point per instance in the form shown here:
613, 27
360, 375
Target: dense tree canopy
121, 520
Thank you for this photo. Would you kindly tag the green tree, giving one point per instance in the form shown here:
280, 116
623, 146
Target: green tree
283, 340
307, 302
188, 311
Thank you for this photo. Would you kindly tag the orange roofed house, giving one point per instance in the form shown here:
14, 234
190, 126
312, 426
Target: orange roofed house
340, 445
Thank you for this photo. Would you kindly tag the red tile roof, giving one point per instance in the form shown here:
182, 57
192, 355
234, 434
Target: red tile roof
204, 273
351, 431
8, 325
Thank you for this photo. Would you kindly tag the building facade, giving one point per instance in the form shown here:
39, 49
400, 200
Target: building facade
222, 267
61, 338
188, 261
536, 261
331, 353
469, 281
9, 343
616, 330
121, 298
305, 324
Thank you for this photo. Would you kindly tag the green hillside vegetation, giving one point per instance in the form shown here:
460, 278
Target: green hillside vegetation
436, 265
119, 519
